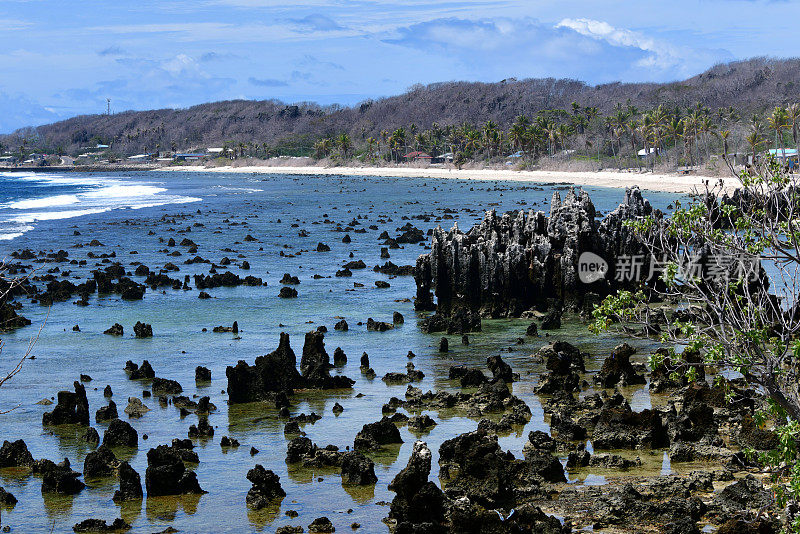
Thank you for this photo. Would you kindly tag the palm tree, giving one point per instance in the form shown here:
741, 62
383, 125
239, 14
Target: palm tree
706, 127
689, 135
472, 141
397, 142
695, 117
724, 135
563, 131
344, 143
632, 126
371, 144
754, 139
793, 112
489, 136
322, 148
778, 122
518, 133
419, 141
382, 139
674, 130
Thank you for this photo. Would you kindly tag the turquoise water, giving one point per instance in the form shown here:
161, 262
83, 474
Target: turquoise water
232, 206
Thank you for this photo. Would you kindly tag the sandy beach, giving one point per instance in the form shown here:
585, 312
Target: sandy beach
670, 183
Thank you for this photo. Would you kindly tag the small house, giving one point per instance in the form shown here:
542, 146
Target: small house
418, 156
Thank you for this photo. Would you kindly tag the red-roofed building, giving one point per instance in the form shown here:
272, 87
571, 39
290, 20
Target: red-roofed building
417, 155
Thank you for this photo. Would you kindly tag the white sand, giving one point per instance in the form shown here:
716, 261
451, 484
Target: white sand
645, 180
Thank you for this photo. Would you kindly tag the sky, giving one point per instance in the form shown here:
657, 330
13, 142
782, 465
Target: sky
60, 58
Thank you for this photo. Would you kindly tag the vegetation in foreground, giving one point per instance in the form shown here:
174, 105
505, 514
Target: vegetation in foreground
730, 317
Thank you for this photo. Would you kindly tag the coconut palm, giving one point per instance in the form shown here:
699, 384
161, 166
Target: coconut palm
345, 144
754, 139
707, 128
371, 145
778, 121
518, 133
397, 143
472, 141
724, 135
322, 148
793, 115
489, 136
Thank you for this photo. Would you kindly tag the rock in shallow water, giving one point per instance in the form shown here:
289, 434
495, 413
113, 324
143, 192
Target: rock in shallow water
518, 261
72, 408
266, 487
358, 470
167, 475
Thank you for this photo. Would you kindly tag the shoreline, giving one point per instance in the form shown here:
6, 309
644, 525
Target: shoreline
667, 183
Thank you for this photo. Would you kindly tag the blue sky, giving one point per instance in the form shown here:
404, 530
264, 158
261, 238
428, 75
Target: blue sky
60, 58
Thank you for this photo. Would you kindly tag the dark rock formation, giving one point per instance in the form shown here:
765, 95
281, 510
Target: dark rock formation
302, 449
419, 503
501, 370
7, 498
15, 454
378, 326
339, 357
165, 386
115, 330
474, 466
135, 372
519, 261
275, 372
617, 369
72, 408
202, 374
358, 470
287, 292
100, 463
421, 422
142, 330
744, 494
564, 363
100, 525
315, 365
120, 434
167, 475
91, 436
202, 430
467, 376
321, 525
130, 484
373, 435
619, 427
266, 487
107, 413
58, 478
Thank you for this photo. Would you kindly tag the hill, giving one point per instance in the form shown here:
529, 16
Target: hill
748, 86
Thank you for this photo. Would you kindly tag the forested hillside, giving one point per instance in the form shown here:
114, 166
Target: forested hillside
752, 86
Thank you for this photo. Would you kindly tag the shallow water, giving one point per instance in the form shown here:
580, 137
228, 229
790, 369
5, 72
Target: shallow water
266, 208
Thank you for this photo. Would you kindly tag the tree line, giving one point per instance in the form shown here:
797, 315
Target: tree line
625, 137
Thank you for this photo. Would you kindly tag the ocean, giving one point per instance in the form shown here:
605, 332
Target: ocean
133, 215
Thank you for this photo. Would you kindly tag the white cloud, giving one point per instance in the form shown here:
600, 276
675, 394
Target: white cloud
661, 55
